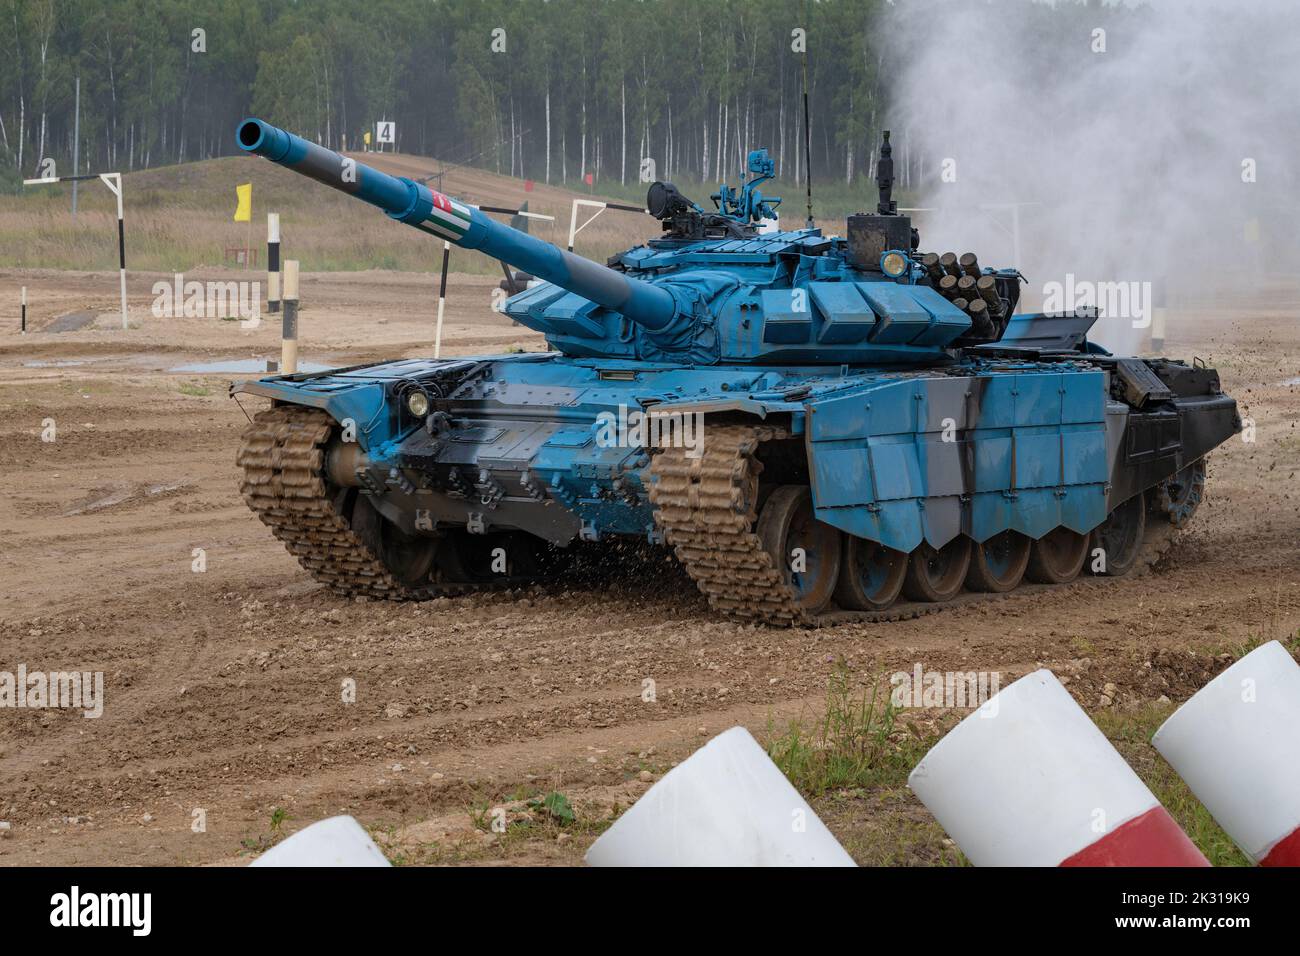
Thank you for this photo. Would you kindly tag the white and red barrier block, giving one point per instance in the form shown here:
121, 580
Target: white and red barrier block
336, 841
727, 804
1236, 743
1029, 780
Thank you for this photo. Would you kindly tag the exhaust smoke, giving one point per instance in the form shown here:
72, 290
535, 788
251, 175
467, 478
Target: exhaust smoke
1147, 150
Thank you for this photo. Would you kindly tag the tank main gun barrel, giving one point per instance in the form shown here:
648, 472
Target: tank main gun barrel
417, 205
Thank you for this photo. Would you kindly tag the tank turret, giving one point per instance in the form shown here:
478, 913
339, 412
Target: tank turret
715, 288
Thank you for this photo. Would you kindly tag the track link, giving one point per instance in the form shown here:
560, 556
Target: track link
283, 458
707, 510
706, 507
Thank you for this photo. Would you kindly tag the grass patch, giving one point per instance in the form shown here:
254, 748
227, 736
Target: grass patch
555, 808
264, 841
855, 744
178, 218
1240, 648
851, 764
523, 820
197, 391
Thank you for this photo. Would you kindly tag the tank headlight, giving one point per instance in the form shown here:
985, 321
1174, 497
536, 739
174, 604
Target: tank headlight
893, 264
417, 403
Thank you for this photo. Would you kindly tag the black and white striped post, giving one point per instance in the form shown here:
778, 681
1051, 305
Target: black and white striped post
442, 298
114, 182
289, 323
273, 262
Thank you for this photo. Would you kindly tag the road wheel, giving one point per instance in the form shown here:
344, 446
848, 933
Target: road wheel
1121, 535
408, 558
806, 551
1180, 495
936, 574
998, 564
1058, 556
871, 575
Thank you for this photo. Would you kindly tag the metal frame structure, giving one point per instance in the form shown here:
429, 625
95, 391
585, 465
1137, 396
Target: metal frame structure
114, 182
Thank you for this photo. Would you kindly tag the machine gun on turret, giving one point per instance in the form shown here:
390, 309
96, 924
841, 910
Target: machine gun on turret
738, 215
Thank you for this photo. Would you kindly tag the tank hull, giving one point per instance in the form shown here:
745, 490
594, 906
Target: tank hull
563, 450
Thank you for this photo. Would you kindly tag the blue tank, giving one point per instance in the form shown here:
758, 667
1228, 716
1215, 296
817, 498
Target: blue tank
820, 428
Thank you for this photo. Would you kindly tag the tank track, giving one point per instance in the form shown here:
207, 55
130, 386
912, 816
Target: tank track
283, 457
707, 510
706, 507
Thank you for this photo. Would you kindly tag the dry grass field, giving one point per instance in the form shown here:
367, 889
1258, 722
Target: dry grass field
179, 218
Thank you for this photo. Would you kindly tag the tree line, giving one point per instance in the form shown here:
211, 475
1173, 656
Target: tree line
552, 90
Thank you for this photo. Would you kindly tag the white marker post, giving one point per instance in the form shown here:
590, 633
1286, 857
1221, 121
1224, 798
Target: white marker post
1159, 315
114, 182
289, 325
273, 262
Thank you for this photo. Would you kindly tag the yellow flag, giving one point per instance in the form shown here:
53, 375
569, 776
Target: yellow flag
244, 211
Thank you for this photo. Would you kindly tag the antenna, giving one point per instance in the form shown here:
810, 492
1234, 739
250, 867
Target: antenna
807, 130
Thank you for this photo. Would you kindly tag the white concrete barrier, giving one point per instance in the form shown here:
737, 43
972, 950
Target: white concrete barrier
1236, 743
727, 804
1029, 780
338, 841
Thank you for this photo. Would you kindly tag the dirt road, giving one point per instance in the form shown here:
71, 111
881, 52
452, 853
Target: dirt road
127, 550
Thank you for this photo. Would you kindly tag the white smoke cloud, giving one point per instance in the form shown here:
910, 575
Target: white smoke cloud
1132, 158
